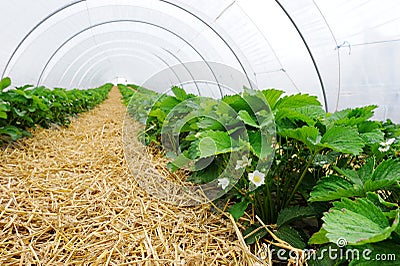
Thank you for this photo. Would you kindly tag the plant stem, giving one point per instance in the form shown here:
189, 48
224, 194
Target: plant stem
300, 179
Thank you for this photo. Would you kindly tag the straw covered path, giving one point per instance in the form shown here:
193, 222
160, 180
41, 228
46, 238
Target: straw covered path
68, 198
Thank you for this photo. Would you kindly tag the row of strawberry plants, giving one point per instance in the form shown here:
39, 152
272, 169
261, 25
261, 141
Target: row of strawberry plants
25, 107
331, 176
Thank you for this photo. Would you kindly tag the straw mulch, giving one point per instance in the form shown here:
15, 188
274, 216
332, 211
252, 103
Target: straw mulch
67, 197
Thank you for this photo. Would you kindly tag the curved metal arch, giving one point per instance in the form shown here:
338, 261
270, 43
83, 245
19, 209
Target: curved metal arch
75, 60
309, 52
96, 55
217, 33
92, 76
164, 1
95, 60
190, 73
130, 41
89, 69
101, 70
124, 21
165, 62
34, 28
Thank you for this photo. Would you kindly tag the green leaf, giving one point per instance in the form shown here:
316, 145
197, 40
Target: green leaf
166, 103
350, 117
358, 222
293, 213
237, 103
259, 145
297, 100
238, 209
208, 123
13, 132
214, 143
247, 119
4, 108
334, 187
254, 237
291, 236
385, 206
272, 96
159, 114
309, 114
179, 93
366, 171
308, 135
319, 237
384, 176
4, 83
343, 139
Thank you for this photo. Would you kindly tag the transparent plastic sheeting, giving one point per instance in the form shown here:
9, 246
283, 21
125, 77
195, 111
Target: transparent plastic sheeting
343, 51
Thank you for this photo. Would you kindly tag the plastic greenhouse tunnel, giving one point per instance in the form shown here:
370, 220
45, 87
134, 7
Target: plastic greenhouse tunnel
228, 132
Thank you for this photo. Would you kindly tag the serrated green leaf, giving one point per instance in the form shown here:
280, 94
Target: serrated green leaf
384, 176
366, 171
334, 187
158, 113
342, 139
358, 222
297, 100
237, 103
385, 206
247, 119
350, 117
375, 136
308, 114
291, 236
350, 174
179, 93
292, 213
272, 96
307, 135
319, 237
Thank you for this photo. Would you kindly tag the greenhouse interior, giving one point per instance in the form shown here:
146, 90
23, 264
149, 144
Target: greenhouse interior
228, 132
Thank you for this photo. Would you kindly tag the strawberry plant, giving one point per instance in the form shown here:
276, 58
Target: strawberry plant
25, 107
300, 167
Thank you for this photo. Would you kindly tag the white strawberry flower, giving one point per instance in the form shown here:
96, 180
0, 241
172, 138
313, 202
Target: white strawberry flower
242, 163
257, 178
223, 182
385, 146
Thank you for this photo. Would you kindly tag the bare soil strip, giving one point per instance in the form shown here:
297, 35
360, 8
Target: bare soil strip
67, 197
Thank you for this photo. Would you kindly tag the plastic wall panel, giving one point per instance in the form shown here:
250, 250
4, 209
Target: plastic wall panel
83, 49
355, 44
135, 45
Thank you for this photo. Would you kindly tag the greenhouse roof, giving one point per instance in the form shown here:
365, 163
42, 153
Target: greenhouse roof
345, 52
